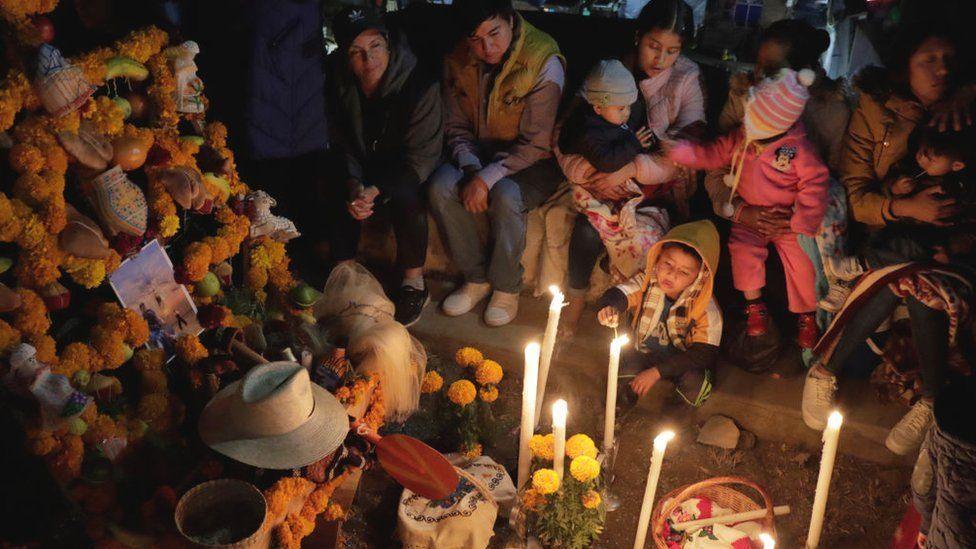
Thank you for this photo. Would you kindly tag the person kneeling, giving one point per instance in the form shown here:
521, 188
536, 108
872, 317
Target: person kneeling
676, 325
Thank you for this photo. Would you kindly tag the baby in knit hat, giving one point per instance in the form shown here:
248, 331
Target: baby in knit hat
601, 132
774, 165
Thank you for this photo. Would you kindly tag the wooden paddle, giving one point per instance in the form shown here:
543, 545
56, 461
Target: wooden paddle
416, 466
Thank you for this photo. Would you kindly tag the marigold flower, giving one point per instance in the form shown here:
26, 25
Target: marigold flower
467, 357
78, 356
9, 337
168, 225
196, 261
533, 500
580, 445
488, 393
31, 317
462, 392
474, 452
489, 372
584, 468
541, 446
432, 382
190, 350
545, 481
591, 499
334, 512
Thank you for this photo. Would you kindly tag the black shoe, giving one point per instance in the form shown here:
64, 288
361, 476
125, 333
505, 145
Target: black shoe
410, 302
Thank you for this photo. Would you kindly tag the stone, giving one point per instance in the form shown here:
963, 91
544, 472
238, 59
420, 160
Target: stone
747, 440
719, 431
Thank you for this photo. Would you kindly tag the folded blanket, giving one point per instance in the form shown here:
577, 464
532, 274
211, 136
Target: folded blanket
718, 536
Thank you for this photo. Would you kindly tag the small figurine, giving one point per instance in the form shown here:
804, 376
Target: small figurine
263, 223
189, 87
57, 399
60, 85
120, 204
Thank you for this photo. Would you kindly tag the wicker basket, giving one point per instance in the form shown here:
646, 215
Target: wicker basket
233, 506
725, 492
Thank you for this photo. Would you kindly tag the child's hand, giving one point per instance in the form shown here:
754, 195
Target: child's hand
646, 137
644, 381
608, 316
903, 186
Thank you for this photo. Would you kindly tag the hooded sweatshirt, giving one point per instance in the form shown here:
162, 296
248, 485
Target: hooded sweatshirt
693, 322
393, 139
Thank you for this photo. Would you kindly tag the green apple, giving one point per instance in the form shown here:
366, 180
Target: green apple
208, 286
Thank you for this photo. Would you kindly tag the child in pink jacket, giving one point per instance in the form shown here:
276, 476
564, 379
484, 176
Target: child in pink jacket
773, 164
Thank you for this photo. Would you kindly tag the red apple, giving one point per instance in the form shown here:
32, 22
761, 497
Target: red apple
45, 28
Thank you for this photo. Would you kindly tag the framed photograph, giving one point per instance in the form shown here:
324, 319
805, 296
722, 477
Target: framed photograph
145, 283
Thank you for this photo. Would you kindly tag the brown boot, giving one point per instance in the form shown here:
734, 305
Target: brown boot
571, 314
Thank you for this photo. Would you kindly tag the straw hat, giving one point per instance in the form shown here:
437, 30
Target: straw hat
274, 418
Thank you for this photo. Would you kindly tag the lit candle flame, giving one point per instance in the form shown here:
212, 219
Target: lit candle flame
835, 420
661, 441
559, 412
767, 541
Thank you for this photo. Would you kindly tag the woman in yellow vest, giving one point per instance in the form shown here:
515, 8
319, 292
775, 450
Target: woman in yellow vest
503, 83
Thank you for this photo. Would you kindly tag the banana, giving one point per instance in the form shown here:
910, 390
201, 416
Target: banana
121, 66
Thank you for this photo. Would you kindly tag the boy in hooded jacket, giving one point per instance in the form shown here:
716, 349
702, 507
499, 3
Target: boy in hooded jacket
676, 325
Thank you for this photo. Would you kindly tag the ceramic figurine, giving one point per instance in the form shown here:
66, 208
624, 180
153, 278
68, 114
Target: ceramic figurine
264, 223
60, 85
57, 399
120, 204
189, 87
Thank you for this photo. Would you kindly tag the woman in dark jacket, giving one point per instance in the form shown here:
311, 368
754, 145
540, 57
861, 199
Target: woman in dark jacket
387, 122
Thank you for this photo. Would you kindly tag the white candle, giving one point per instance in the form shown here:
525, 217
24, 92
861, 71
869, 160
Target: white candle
529, 380
767, 541
548, 344
610, 413
653, 474
830, 436
559, 413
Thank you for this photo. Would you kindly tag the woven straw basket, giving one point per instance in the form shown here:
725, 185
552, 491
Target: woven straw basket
233, 506
734, 493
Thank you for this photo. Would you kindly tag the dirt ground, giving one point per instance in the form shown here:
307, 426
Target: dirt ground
866, 500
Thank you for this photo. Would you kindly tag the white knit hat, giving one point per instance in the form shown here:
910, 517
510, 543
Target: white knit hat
609, 83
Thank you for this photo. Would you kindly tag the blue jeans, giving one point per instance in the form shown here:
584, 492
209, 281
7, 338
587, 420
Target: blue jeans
509, 200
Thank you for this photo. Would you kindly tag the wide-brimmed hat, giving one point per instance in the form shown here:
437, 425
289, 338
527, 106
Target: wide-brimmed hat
274, 418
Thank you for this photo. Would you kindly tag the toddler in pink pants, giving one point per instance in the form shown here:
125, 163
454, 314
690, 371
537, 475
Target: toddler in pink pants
773, 164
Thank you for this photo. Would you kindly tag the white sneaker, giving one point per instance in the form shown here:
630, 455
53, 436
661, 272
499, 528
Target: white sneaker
465, 298
836, 297
906, 436
845, 268
501, 309
818, 400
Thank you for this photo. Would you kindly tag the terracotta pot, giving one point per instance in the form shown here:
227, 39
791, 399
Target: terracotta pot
129, 153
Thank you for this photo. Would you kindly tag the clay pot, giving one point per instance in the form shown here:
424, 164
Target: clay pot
138, 103
129, 153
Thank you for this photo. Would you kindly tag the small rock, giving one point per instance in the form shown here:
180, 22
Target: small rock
747, 440
719, 431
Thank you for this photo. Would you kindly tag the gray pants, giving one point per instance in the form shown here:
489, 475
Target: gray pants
509, 200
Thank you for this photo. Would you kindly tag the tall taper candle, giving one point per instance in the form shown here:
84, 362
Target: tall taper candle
653, 474
530, 378
610, 413
830, 436
548, 344
559, 413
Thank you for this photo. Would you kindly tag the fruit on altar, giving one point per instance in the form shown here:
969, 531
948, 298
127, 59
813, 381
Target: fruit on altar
81, 378
121, 205
121, 66
77, 426
5, 264
194, 139
208, 286
82, 237
90, 148
304, 296
123, 104
220, 183
60, 86
129, 152
44, 27
138, 104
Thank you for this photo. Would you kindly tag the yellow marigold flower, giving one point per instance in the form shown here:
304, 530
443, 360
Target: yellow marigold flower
488, 393
432, 382
190, 350
545, 481
489, 372
474, 452
591, 499
462, 392
26, 158
580, 445
334, 512
467, 357
541, 446
584, 468
9, 337
533, 500
168, 225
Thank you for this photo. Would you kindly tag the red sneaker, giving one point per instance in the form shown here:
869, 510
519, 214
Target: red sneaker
757, 322
807, 330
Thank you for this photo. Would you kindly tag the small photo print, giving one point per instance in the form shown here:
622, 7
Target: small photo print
145, 283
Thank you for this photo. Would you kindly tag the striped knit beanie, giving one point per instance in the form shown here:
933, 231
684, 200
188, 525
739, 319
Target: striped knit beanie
776, 104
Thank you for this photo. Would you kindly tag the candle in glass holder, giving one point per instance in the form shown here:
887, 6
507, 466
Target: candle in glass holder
530, 378
830, 437
548, 344
610, 413
559, 413
653, 474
